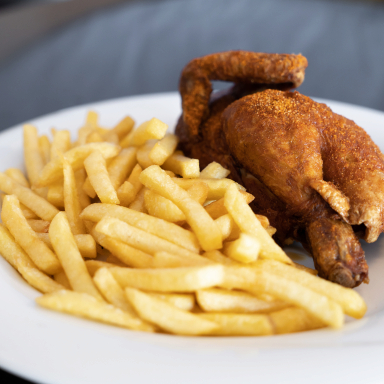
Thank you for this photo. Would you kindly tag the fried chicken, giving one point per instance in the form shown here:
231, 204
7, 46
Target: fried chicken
313, 173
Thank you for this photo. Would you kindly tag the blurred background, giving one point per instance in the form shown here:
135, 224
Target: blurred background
58, 54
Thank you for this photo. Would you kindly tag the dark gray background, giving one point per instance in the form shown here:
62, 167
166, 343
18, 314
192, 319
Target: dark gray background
140, 47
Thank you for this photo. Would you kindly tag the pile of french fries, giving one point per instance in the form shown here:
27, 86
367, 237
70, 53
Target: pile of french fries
120, 227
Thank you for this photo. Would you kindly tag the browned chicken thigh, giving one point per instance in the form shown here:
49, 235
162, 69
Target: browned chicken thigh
313, 173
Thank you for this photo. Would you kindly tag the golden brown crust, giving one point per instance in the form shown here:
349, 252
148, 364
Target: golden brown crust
238, 67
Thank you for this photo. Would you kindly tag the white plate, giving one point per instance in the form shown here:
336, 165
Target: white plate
49, 347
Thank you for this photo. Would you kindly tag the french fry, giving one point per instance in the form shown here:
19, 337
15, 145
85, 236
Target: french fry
139, 204
260, 281
55, 194
143, 153
70, 258
217, 208
199, 192
24, 235
226, 225
202, 224
159, 206
19, 260
249, 224
94, 265
129, 189
184, 301
239, 324
18, 176
245, 249
121, 166
122, 128
71, 200
88, 188
217, 187
40, 226
218, 257
111, 290
45, 148
80, 177
214, 171
34, 162
85, 305
137, 238
28, 214
183, 166
187, 279
290, 320
61, 278
93, 137
163, 149
151, 129
221, 300
99, 178
169, 260
167, 316
61, 143
53, 171
351, 302
167, 231
85, 243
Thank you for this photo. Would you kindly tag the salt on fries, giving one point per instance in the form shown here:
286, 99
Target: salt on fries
121, 228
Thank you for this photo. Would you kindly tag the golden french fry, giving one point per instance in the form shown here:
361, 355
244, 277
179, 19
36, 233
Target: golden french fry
163, 149
24, 235
85, 243
28, 214
183, 166
162, 208
199, 192
249, 224
85, 305
111, 290
70, 258
122, 128
129, 189
167, 231
217, 187
71, 200
61, 143
245, 249
169, 260
151, 129
121, 166
53, 171
217, 208
137, 238
40, 226
218, 257
184, 301
222, 300
139, 204
115, 260
167, 316
94, 265
34, 162
351, 302
17, 176
55, 194
294, 320
259, 281
15, 256
143, 153
202, 224
186, 279
45, 148
80, 177
88, 188
61, 278
99, 178
232, 324
226, 225
214, 171
94, 137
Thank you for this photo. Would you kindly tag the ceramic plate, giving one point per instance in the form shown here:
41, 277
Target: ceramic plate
49, 347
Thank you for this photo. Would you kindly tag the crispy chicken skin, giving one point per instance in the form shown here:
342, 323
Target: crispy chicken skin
313, 173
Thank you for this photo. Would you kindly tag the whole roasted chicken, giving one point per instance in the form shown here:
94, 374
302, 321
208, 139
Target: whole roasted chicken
316, 175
